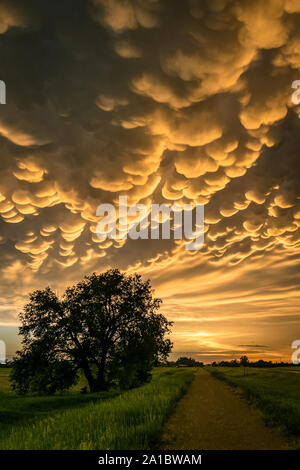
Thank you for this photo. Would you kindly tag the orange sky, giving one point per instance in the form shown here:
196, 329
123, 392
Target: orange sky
161, 101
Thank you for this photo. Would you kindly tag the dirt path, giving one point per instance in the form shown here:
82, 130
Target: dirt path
212, 416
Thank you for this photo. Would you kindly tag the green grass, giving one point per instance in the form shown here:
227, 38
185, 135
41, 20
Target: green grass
17, 411
131, 420
4, 381
276, 392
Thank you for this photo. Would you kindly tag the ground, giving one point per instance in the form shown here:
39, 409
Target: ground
212, 416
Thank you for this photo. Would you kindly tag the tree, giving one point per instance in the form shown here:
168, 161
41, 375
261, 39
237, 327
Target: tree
106, 325
34, 374
244, 362
186, 362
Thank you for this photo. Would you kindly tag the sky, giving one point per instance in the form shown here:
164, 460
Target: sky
162, 101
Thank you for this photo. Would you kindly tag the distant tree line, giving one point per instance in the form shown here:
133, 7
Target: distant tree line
244, 361
182, 362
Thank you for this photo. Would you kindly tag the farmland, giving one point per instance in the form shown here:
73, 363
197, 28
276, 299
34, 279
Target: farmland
275, 391
109, 420
147, 417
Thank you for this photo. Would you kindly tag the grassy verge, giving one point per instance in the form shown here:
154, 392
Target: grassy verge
18, 411
276, 392
132, 420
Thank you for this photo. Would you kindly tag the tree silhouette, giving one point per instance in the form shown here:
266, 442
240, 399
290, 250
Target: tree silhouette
187, 362
106, 325
244, 362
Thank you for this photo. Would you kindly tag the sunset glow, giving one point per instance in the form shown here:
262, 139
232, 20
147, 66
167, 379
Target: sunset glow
168, 101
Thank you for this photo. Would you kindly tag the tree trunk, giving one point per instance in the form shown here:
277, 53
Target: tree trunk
89, 376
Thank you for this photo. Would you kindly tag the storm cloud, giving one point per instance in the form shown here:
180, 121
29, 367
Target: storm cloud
160, 101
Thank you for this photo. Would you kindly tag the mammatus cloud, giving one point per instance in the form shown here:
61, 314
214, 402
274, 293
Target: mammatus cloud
161, 101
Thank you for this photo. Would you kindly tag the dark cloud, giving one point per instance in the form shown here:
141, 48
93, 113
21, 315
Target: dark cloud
162, 101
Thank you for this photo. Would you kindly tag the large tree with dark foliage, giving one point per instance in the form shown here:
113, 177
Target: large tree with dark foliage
108, 326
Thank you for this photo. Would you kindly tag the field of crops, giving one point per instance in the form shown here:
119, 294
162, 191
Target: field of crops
110, 420
276, 392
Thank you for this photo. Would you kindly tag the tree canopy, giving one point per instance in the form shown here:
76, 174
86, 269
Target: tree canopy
107, 325
188, 362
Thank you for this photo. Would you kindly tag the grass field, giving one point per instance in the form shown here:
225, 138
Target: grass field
128, 420
276, 392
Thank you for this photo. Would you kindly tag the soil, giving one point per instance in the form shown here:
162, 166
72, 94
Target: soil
212, 416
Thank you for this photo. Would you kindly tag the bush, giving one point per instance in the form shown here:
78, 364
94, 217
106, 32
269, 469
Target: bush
46, 379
